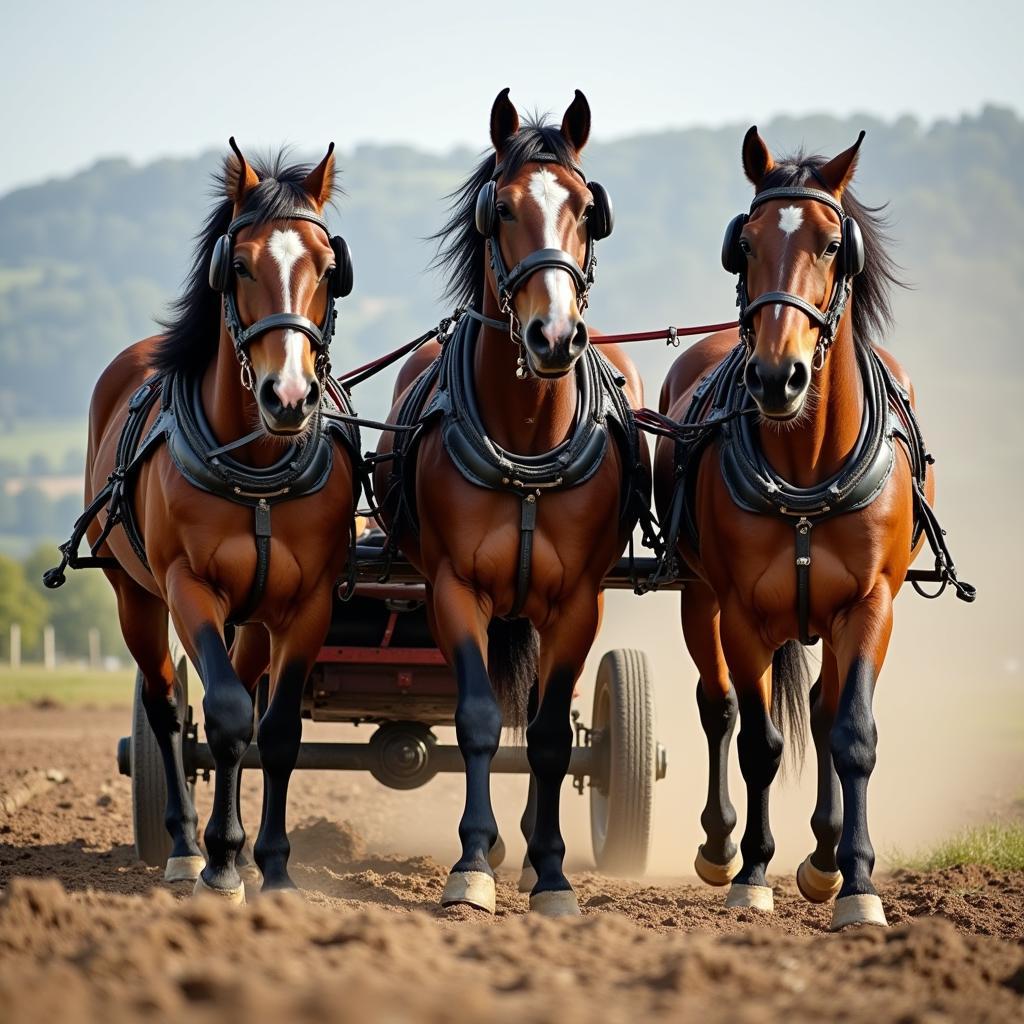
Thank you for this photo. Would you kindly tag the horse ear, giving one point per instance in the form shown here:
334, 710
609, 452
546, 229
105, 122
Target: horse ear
239, 178
576, 123
504, 121
757, 160
319, 183
838, 172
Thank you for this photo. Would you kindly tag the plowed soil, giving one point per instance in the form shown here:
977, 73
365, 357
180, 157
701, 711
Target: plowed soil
87, 933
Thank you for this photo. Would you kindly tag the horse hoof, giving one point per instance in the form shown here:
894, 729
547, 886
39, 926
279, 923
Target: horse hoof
757, 897
852, 910
496, 855
562, 903
528, 879
235, 896
184, 869
716, 874
473, 888
817, 886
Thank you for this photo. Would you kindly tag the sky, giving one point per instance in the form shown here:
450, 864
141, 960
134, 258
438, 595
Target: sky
80, 81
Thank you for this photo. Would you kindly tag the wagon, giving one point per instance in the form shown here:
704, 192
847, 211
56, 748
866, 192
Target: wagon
379, 666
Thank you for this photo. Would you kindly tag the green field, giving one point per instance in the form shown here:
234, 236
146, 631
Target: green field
53, 438
70, 687
999, 845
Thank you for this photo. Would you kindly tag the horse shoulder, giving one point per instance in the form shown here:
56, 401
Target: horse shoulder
414, 366
897, 370
690, 366
616, 355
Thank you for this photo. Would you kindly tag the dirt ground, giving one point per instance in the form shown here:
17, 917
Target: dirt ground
89, 934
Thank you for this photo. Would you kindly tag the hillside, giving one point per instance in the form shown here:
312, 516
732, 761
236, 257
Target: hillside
86, 263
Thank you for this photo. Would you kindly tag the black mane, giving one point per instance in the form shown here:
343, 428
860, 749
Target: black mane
461, 249
192, 326
872, 288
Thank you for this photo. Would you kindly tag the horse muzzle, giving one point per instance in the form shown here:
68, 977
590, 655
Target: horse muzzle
779, 389
286, 409
553, 356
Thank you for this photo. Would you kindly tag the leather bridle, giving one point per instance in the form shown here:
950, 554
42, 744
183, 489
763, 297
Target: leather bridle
320, 335
826, 321
508, 283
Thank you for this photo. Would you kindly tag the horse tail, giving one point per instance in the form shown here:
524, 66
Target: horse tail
513, 649
791, 681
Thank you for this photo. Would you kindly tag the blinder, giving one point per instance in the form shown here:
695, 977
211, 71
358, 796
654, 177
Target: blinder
849, 260
221, 277
599, 223
222, 258
508, 282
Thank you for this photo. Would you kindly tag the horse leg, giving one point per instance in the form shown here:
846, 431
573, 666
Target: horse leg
563, 649
143, 620
280, 734
250, 656
818, 877
461, 624
861, 640
760, 752
717, 858
528, 822
228, 713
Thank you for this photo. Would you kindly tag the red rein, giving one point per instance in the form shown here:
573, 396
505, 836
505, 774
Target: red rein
669, 334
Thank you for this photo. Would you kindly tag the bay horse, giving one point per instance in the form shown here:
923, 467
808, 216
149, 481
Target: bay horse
798, 425
214, 447
518, 478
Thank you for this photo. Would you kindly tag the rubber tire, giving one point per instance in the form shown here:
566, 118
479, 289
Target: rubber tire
620, 819
149, 786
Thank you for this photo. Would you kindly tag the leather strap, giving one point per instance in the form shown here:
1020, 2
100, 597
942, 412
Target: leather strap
261, 531
803, 581
527, 526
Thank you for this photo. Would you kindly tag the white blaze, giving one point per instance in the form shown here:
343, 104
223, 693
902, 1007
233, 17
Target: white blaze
790, 219
286, 247
550, 195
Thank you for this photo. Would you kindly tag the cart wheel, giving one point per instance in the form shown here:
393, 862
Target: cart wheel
149, 786
622, 789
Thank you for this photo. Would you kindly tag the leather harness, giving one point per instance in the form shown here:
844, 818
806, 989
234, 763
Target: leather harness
181, 424
721, 410
444, 391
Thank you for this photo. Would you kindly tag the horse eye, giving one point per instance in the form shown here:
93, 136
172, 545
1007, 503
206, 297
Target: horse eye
327, 273
241, 270
745, 246
832, 248
505, 211
586, 213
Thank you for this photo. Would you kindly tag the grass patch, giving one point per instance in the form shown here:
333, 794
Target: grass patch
69, 687
999, 845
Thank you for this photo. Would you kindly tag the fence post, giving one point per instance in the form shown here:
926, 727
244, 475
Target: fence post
94, 648
15, 645
49, 649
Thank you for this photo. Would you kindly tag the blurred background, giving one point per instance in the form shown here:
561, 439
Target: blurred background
115, 115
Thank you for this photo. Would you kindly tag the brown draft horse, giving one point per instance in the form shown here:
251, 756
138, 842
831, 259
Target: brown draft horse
742, 619
200, 548
530, 200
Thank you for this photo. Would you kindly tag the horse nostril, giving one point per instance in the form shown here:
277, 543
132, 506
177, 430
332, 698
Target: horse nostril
579, 340
268, 396
798, 379
752, 378
312, 395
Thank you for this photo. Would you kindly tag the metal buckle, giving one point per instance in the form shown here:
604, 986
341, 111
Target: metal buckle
247, 376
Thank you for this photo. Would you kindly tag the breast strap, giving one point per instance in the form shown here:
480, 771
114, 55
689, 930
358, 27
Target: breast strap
481, 461
722, 401
182, 424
